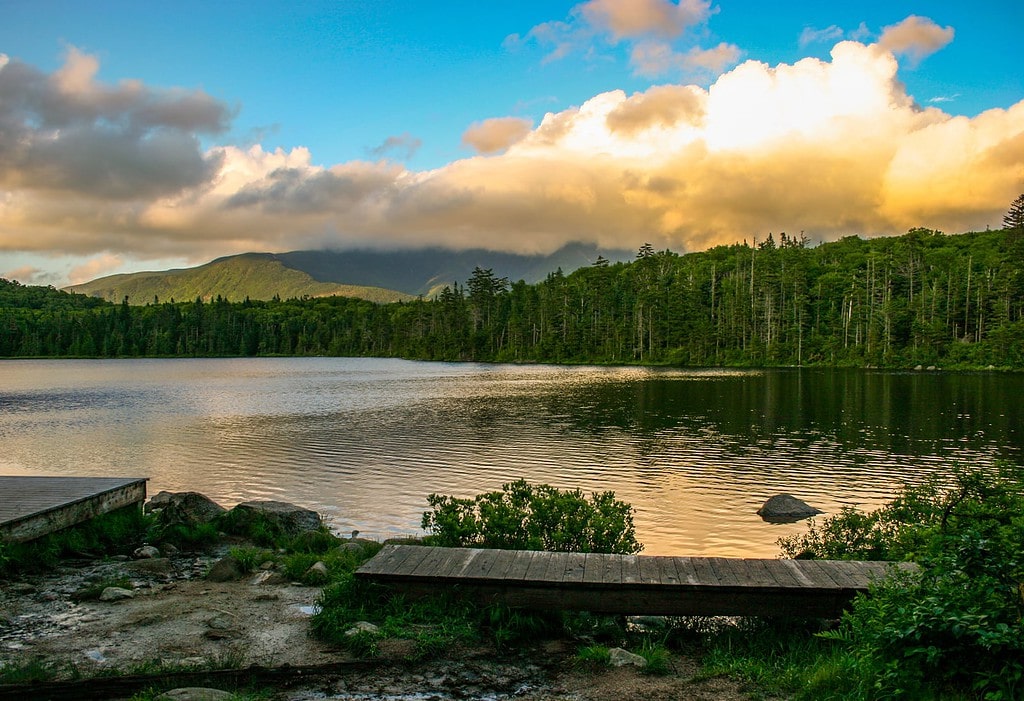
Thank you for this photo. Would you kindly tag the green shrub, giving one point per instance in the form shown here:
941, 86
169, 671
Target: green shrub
954, 626
532, 517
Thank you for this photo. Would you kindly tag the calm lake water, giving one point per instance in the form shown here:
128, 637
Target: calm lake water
364, 441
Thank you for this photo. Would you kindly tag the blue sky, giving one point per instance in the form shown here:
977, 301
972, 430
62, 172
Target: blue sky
382, 97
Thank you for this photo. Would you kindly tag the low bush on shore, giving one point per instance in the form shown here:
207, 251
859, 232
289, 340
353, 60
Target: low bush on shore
523, 516
953, 629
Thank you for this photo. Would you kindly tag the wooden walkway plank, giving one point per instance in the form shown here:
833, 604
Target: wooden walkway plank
416, 555
611, 572
685, 570
650, 573
631, 584
32, 506
668, 574
630, 569
725, 571
575, 567
520, 566
555, 571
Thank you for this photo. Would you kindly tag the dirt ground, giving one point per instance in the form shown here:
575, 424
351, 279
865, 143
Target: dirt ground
176, 618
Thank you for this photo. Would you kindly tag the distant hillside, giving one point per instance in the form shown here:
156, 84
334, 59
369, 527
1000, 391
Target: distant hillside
379, 276
252, 275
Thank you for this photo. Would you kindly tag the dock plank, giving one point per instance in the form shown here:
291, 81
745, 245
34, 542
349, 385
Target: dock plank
34, 506
631, 584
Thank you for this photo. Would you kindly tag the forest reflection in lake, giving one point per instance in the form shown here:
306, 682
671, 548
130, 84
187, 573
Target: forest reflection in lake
366, 440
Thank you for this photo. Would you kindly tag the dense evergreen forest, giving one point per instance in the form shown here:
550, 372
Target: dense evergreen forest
923, 298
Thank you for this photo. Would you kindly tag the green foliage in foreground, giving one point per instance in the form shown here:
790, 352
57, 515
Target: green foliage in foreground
952, 630
533, 517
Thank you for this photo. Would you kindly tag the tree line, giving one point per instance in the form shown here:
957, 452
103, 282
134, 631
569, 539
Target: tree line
923, 298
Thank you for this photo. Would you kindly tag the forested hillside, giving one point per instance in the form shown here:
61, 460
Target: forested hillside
921, 298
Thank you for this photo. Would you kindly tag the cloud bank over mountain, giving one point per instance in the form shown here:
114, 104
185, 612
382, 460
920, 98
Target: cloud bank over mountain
828, 147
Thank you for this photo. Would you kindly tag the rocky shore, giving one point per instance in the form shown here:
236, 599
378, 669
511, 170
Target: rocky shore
169, 609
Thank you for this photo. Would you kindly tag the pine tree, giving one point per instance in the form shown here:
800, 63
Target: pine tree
1014, 218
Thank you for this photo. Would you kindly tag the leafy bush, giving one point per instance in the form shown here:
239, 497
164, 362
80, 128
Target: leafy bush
955, 624
533, 517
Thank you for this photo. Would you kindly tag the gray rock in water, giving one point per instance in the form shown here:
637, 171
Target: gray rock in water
116, 594
786, 508
195, 693
226, 569
617, 657
187, 508
291, 519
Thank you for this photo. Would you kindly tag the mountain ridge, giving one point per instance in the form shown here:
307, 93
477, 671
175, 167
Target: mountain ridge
378, 276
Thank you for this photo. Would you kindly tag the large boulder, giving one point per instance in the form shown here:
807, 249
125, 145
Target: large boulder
185, 508
786, 508
282, 517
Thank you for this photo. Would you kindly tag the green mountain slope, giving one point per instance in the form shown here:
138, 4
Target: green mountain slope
252, 275
378, 276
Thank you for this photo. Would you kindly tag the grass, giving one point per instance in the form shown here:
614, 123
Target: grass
115, 533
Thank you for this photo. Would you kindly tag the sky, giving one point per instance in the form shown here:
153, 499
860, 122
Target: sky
142, 136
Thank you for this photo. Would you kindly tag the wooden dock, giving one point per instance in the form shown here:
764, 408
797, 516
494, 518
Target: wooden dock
31, 507
628, 584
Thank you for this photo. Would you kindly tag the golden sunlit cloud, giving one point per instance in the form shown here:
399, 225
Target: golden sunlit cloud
95, 267
495, 135
917, 37
829, 147
637, 18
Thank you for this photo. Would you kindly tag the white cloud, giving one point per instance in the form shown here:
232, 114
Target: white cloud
831, 147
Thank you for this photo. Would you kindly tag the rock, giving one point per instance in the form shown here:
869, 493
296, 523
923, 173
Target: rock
49, 596
317, 572
116, 594
361, 627
187, 508
219, 622
786, 508
919, 368
146, 552
21, 588
226, 569
95, 656
195, 693
158, 565
351, 547
268, 578
289, 518
169, 548
617, 657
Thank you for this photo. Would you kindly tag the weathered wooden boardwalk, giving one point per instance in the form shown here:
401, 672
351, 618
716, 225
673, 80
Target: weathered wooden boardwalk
31, 507
627, 584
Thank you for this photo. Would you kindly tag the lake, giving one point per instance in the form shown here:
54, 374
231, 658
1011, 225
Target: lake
364, 441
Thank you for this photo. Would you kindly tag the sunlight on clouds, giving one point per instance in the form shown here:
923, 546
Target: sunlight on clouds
831, 147
916, 37
635, 18
94, 268
495, 135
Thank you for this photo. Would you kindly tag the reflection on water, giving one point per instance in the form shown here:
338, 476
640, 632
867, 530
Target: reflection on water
365, 440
